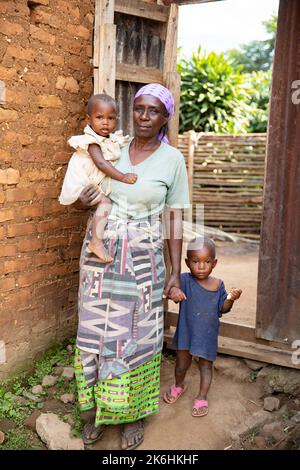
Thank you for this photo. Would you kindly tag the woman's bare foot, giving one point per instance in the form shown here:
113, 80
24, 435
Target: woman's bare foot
91, 434
132, 435
98, 249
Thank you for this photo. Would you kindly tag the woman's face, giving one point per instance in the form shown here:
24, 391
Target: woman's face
149, 115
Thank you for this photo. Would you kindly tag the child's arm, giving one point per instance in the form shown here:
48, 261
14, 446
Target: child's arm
233, 295
107, 168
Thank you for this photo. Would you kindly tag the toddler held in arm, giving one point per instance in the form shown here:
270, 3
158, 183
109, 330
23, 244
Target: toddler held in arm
97, 152
203, 299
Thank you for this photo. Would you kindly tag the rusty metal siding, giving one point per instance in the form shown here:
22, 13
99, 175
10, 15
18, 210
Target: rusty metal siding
278, 303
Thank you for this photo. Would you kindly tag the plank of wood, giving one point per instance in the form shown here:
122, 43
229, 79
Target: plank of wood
137, 74
248, 349
190, 171
104, 13
142, 9
107, 60
172, 82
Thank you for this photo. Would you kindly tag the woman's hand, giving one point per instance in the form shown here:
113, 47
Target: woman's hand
174, 281
89, 196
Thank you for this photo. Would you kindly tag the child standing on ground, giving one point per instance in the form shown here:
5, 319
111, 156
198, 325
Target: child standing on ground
97, 151
203, 299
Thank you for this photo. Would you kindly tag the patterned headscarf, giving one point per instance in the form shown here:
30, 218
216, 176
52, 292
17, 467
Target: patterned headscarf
164, 95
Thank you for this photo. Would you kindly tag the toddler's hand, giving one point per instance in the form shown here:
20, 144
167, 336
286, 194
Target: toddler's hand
234, 294
129, 178
176, 294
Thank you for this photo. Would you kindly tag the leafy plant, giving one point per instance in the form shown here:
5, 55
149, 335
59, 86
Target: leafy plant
214, 96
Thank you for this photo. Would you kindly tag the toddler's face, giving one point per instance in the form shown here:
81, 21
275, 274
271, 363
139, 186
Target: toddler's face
103, 118
201, 262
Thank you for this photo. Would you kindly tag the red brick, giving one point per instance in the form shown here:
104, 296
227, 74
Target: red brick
8, 115
49, 101
30, 278
47, 225
21, 53
9, 176
58, 270
41, 16
62, 157
49, 59
5, 156
17, 98
30, 211
73, 46
11, 8
8, 250
47, 192
19, 300
52, 207
68, 84
7, 284
69, 9
20, 194
79, 31
40, 2
2, 197
41, 35
82, 66
44, 174
45, 258
10, 29
2, 232
89, 51
74, 221
6, 214
18, 230
28, 156
17, 265
8, 73
30, 245
57, 241
36, 78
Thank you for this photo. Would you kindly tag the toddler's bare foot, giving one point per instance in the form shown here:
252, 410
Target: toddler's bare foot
99, 250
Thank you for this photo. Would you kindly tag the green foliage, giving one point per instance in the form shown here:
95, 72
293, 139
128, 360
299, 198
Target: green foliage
213, 94
20, 439
256, 55
259, 87
45, 365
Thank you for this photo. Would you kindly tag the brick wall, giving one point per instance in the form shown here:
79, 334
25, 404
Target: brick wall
45, 80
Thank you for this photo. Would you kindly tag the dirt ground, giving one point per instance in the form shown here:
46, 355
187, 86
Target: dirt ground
230, 403
237, 267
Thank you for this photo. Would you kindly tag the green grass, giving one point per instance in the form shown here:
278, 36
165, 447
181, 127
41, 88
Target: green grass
20, 437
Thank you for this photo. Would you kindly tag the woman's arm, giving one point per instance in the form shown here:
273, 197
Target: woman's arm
174, 233
107, 168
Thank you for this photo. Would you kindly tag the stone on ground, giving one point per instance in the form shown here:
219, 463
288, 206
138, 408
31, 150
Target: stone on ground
254, 420
68, 373
30, 421
2, 437
68, 398
254, 365
280, 380
37, 389
56, 434
296, 417
7, 425
274, 430
260, 442
49, 380
233, 368
32, 397
58, 370
271, 404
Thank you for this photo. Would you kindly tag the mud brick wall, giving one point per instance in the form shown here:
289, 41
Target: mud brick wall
45, 81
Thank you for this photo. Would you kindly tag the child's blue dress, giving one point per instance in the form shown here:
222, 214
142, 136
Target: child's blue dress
198, 323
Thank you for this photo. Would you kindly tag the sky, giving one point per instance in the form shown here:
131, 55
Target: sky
223, 25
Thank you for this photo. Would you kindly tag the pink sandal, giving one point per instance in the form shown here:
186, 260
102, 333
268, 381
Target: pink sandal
175, 393
200, 408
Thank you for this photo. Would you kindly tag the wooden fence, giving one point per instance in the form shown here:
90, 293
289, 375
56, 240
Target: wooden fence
226, 174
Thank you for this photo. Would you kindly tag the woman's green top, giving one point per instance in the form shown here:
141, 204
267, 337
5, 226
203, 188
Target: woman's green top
162, 180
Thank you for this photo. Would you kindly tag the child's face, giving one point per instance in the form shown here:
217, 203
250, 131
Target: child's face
103, 118
201, 262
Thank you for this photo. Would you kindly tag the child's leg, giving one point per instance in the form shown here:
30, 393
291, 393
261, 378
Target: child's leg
183, 362
206, 370
98, 227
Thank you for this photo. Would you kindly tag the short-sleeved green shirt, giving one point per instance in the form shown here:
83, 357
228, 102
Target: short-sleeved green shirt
162, 180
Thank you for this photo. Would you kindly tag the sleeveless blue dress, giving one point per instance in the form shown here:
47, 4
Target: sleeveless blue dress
199, 318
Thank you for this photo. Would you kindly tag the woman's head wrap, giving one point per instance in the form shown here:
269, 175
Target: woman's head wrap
165, 96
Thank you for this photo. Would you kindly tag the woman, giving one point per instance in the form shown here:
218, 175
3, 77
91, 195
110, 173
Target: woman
120, 331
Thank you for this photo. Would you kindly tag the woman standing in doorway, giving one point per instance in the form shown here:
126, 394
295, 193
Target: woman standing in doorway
120, 331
